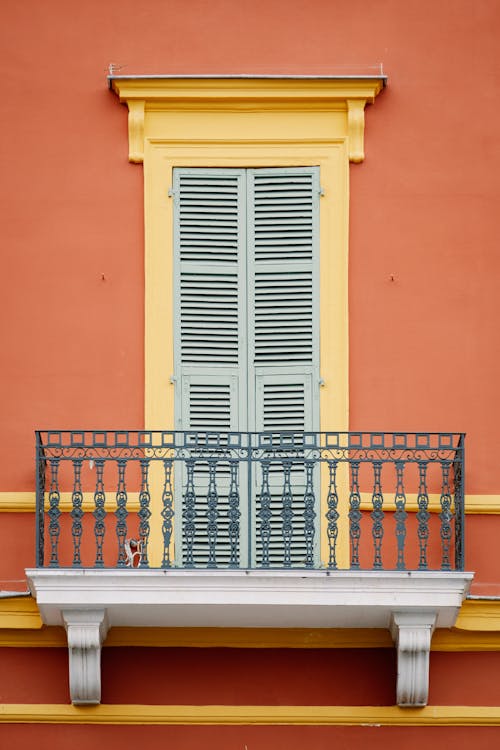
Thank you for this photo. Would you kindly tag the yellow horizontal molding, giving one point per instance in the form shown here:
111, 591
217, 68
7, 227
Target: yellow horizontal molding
19, 613
479, 615
30, 713
473, 503
24, 502
453, 640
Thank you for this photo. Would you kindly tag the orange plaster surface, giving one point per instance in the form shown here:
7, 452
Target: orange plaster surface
230, 676
248, 737
424, 261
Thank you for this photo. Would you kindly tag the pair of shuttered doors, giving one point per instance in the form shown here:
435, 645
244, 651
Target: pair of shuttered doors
246, 339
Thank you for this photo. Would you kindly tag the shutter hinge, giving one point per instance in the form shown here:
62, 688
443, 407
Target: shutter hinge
173, 379
321, 192
171, 193
321, 382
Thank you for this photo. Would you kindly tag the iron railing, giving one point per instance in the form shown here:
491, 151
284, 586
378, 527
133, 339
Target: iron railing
184, 499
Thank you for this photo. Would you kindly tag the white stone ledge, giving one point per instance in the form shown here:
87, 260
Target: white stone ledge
256, 598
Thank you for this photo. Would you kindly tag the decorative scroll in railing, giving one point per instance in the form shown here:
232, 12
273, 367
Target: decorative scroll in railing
250, 500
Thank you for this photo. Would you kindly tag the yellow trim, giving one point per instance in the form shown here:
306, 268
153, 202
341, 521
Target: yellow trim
348, 96
24, 502
19, 612
29, 713
479, 614
477, 629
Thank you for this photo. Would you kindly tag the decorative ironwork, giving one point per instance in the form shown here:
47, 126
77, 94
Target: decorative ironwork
167, 513
355, 514
309, 514
54, 512
332, 515
212, 513
144, 513
40, 501
423, 515
189, 513
265, 514
287, 514
459, 479
121, 513
77, 511
400, 515
377, 515
99, 513
244, 493
234, 515
446, 514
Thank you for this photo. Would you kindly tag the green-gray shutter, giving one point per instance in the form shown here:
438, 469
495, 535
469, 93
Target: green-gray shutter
283, 259
246, 304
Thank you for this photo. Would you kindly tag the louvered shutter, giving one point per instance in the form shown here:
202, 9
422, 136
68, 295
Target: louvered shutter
246, 326
210, 347
282, 248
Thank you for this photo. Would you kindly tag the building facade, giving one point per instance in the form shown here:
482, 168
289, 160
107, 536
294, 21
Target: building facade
248, 495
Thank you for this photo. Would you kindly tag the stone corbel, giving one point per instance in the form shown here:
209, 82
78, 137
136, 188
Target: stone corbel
356, 129
412, 634
86, 631
136, 109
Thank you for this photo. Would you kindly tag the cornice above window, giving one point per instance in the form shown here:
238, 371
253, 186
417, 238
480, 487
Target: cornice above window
349, 94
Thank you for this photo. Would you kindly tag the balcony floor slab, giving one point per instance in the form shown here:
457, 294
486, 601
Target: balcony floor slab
249, 598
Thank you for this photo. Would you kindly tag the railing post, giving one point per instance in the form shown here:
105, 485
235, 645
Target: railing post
40, 500
459, 479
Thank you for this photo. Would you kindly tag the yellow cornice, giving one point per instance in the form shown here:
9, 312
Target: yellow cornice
164, 94
38, 713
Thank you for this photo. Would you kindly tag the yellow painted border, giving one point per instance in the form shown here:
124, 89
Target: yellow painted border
24, 502
258, 715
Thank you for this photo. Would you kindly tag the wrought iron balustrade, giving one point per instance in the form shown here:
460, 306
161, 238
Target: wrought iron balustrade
190, 499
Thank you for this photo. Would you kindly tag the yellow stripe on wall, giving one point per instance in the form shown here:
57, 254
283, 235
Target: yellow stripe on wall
261, 715
24, 502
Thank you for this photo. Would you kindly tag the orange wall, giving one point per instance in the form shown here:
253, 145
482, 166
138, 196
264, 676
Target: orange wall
229, 676
424, 347
249, 737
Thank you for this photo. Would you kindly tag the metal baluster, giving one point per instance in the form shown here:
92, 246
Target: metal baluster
40, 501
446, 514
77, 511
144, 512
234, 514
121, 513
212, 513
377, 515
400, 515
99, 513
54, 512
265, 513
309, 514
167, 513
332, 514
287, 514
423, 515
355, 514
458, 475
189, 513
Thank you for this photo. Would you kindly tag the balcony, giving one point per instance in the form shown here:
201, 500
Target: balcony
196, 529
